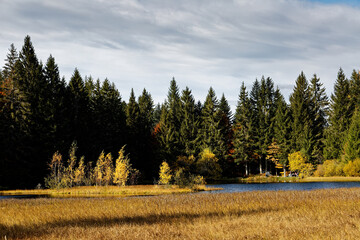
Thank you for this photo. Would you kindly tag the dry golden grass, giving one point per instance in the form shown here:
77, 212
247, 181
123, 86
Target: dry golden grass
331, 179
320, 214
114, 191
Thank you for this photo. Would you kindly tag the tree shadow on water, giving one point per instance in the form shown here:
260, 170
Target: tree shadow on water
38, 230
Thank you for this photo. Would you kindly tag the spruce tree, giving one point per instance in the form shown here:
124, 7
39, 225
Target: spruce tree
352, 142
282, 129
226, 133
319, 108
209, 134
189, 125
300, 101
242, 142
340, 113
169, 126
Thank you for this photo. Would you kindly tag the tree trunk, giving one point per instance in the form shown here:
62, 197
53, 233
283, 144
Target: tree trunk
284, 171
260, 167
246, 169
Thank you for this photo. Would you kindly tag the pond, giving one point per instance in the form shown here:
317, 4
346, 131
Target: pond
246, 187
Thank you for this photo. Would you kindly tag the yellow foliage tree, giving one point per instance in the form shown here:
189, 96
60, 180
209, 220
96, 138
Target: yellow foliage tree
164, 174
69, 175
207, 164
56, 166
108, 169
80, 173
298, 163
122, 168
99, 169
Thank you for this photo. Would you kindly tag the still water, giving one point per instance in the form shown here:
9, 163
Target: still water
246, 187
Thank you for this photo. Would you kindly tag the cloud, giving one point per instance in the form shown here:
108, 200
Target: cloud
201, 43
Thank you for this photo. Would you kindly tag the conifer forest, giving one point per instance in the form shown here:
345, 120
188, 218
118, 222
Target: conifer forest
82, 119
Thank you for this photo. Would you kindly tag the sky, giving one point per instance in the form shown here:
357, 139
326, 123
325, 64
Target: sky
201, 43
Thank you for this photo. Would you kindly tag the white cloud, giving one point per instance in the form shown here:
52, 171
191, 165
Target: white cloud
201, 43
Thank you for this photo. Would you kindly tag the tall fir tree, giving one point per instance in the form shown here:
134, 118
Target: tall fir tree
189, 124
340, 112
225, 125
242, 152
282, 129
302, 139
319, 108
209, 133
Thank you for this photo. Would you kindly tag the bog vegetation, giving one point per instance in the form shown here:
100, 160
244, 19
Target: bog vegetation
42, 114
320, 214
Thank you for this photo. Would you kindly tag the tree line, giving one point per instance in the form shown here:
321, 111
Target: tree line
42, 113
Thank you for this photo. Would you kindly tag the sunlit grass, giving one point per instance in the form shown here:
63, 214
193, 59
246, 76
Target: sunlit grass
319, 214
104, 191
274, 179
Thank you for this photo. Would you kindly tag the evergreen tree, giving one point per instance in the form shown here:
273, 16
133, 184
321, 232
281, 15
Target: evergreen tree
282, 129
31, 82
319, 108
170, 119
147, 163
209, 133
340, 113
352, 143
302, 138
78, 112
225, 125
256, 124
189, 124
242, 141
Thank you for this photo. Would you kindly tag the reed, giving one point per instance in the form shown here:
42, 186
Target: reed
319, 214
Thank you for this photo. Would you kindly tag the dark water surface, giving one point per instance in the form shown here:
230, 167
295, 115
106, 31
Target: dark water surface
246, 187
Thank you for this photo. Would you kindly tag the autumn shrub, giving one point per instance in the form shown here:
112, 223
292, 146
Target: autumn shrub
299, 163
352, 168
329, 168
165, 175
184, 179
207, 164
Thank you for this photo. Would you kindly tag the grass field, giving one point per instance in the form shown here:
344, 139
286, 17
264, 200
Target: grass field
109, 191
319, 214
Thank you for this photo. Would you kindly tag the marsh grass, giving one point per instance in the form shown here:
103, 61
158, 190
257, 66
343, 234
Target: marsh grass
107, 191
274, 179
319, 214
